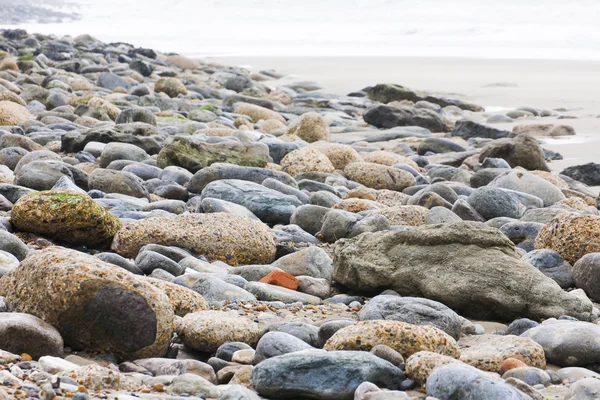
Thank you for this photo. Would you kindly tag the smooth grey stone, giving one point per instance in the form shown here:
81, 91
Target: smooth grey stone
176, 174
148, 261
491, 203
324, 199
552, 265
530, 375
267, 292
293, 233
303, 331
211, 205
113, 258
253, 273
225, 351
308, 217
216, 289
317, 287
273, 344
520, 326
285, 189
329, 328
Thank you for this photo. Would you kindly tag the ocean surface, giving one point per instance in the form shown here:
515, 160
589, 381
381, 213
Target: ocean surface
510, 29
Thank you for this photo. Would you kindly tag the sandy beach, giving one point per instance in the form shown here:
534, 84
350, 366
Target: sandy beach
496, 84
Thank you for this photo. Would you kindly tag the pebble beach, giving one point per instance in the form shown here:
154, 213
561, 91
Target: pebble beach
176, 227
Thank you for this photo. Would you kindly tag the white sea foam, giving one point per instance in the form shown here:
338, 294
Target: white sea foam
549, 29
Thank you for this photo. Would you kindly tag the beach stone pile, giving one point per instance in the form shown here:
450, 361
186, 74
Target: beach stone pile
173, 228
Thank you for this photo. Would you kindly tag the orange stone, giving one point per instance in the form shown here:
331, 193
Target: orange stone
281, 278
511, 363
26, 357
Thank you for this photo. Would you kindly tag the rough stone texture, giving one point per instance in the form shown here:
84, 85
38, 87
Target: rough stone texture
488, 352
377, 176
13, 114
470, 267
314, 374
588, 174
339, 154
522, 151
194, 154
389, 117
388, 158
95, 306
568, 343
24, 333
544, 130
304, 160
66, 216
403, 337
571, 235
219, 236
405, 215
111, 181
421, 364
413, 310
310, 127
205, 331
170, 86
182, 299
585, 275
257, 112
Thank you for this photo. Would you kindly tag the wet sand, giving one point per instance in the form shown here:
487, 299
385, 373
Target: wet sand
496, 84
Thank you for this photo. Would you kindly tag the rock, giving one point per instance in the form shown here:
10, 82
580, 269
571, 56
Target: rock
110, 81
588, 174
273, 344
293, 233
75, 141
13, 114
182, 299
522, 151
468, 129
491, 202
303, 331
310, 127
191, 384
312, 261
237, 392
389, 117
306, 159
404, 215
529, 375
585, 389
585, 274
94, 305
194, 154
458, 381
552, 265
488, 352
266, 292
413, 310
13, 245
66, 216
8, 262
43, 174
403, 337
525, 182
413, 261
167, 366
309, 217
544, 130
111, 181
314, 286
172, 87
24, 333
322, 375
568, 343
388, 158
213, 288
339, 154
121, 151
219, 171
257, 113
212, 205
441, 215
267, 204
571, 235
438, 145
148, 261
574, 374
225, 237
421, 364
205, 331
511, 363
378, 176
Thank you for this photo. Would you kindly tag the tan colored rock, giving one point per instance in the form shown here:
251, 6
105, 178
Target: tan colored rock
172, 87
391, 198
222, 131
257, 113
96, 377
362, 192
357, 205
182, 299
272, 125
111, 110
9, 64
306, 159
182, 62
81, 84
544, 130
379, 176
225, 237
388, 158
403, 337
553, 179
488, 352
339, 154
11, 96
94, 305
405, 215
420, 365
576, 203
310, 127
571, 235
205, 331
12, 113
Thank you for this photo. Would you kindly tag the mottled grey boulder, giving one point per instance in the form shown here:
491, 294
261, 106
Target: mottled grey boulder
316, 374
414, 310
522, 181
111, 181
274, 344
470, 267
585, 389
492, 202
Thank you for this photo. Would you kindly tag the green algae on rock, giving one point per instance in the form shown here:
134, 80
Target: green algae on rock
233, 239
67, 216
94, 305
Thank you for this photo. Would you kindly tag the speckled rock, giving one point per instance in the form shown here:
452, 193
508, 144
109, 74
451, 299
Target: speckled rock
23, 333
488, 352
306, 159
66, 216
170, 86
13, 113
182, 299
94, 305
379, 176
403, 337
421, 364
571, 235
357, 205
219, 236
339, 154
388, 158
310, 127
405, 215
257, 112
96, 377
205, 331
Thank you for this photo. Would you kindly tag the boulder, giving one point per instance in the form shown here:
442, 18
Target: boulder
389, 117
469, 129
112, 181
310, 127
571, 235
487, 352
12, 114
66, 216
487, 278
226, 237
306, 159
552, 265
522, 151
377, 176
94, 305
24, 333
588, 174
525, 182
